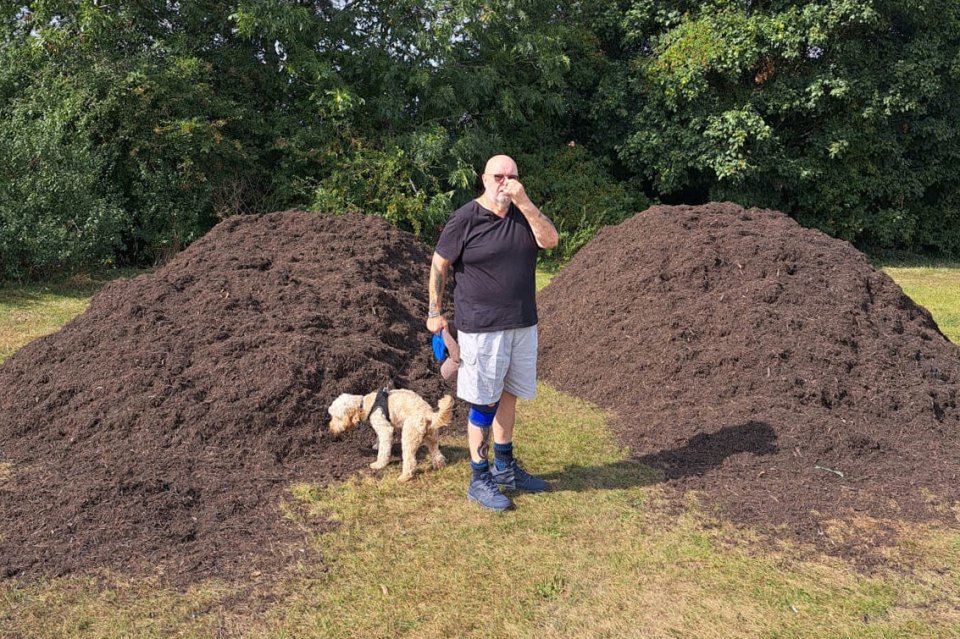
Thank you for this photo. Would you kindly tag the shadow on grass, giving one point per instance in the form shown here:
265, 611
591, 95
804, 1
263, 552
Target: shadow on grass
454, 454
81, 286
697, 456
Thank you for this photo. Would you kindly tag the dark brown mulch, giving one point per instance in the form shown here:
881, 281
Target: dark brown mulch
159, 429
749, 358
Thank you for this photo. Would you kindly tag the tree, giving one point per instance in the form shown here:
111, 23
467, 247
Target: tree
842, 113
173, 115
148, 118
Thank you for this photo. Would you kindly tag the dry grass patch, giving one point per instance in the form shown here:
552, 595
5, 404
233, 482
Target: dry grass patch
46, 315
116, 607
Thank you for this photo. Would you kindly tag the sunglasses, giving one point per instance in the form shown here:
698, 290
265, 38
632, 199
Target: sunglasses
499, 177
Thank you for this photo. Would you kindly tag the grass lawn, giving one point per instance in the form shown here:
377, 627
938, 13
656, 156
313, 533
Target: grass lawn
605, 554
935, 287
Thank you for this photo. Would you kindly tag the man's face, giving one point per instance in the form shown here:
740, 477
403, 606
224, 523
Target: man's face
506, 169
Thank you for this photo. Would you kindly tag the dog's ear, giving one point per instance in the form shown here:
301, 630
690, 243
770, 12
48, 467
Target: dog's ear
355, 413
336, 408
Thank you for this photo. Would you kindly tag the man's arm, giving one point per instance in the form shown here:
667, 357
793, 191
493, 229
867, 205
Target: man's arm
438, 283
543, 229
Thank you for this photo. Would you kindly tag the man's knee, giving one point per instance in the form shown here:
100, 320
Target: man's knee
481, 415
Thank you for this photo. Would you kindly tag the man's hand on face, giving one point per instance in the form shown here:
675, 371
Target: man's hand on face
515, 190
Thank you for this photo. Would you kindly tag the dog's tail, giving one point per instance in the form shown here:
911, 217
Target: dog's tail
444, 414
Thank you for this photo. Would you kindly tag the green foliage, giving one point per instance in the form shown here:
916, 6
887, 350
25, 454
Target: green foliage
433, 96
575, 190
128, 129
393, 184
189, 112
53, 220
842, 113
57, 211
143, 133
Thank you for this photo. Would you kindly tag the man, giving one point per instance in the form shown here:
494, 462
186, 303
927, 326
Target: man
492, 244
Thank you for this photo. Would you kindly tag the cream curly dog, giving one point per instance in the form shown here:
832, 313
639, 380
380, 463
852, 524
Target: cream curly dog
387, 410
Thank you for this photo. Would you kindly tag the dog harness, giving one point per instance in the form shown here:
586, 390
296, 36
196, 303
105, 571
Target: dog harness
381, 402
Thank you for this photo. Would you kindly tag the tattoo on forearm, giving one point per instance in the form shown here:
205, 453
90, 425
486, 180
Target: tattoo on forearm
436, 287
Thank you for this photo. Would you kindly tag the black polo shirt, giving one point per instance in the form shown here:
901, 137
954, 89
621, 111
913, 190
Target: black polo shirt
494, 264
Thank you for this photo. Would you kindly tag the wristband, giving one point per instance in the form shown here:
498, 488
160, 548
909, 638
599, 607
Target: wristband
432, 314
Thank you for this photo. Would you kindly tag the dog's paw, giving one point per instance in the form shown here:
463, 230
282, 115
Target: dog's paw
405, 477
378, 466
439, 461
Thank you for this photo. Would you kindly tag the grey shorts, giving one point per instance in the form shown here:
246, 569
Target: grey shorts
491, 363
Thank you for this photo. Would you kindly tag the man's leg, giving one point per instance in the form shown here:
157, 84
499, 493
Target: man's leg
521, 380
503, 431
480, 383
478, 431
482, 488
505, 419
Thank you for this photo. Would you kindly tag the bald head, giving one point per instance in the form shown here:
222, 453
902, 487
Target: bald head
502, 164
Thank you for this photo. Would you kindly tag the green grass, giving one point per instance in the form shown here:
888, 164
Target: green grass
604, 554
935, 287
545, 273
599, 556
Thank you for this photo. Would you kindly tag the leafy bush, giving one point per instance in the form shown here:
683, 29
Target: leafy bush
400, 184
58, 210
55, 213
841, 113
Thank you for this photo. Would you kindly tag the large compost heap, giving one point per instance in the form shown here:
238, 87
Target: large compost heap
158, 430
767, 365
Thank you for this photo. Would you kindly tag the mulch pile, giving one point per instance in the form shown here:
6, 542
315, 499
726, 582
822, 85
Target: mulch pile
767, 365
158, 430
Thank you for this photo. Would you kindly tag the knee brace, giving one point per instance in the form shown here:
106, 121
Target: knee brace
482, 415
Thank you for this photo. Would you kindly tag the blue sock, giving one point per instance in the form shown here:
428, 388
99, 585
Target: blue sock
479, 468
502, 455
